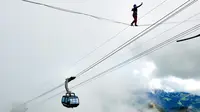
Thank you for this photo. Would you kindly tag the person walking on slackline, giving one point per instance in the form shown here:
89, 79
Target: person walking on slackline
135, 9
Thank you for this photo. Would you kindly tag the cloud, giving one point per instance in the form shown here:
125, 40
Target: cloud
17, 107
37, 44
123, 90
172, 83
180, 59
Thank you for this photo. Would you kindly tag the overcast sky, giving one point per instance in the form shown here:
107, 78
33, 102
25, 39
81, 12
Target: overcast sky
39, 45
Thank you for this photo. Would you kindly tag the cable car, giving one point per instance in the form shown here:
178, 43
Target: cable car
70, 100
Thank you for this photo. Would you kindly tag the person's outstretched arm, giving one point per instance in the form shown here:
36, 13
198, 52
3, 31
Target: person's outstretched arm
140, 5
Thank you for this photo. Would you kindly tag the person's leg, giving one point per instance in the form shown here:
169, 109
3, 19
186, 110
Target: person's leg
135, 19
132, 22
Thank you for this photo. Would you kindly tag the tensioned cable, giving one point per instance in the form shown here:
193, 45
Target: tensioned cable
147, 52
96, 49
113, 37
165, 18
85, 56
75, 12
142, 33
96, 17
70, 11
66, 10
165, 31
155, 48
130, 60
188, 38
99, 17
93, 16
145, 42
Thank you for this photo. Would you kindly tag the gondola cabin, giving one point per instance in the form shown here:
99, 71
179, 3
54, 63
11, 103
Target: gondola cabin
70, 100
